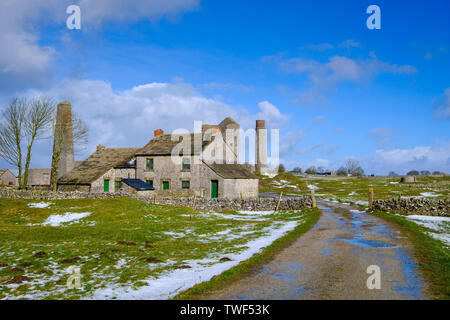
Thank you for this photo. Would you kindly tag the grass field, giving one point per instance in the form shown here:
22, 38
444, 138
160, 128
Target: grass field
122, 243
354, 190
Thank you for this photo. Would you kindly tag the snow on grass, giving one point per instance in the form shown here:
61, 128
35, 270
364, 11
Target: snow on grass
424, 195
312, 187
169, 284
56, 220
439, 225
263, 213
270, 174
435, 223
430, 194
175, 235
41, 205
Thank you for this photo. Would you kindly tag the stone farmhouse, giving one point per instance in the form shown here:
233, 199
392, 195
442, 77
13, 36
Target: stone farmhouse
203, 164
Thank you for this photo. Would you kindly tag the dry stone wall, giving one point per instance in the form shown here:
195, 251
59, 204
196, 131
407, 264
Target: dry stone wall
260, 204
422, 206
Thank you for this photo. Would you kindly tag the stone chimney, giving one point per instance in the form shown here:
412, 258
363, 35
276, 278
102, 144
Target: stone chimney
261, 146
100, 148
159, 132
65, 135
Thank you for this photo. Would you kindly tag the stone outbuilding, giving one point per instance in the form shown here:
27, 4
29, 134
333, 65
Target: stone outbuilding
8, 178
39, 177
103, 171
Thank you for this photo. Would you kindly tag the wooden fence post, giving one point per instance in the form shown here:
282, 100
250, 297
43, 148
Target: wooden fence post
313, 198
279, 200
370, 198
193, 206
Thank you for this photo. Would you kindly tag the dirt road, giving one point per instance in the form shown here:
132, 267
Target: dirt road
330, 262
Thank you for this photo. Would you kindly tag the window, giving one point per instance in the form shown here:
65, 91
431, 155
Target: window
149, 164
165, 185
117, 185
150, 182
186, 164
185, 184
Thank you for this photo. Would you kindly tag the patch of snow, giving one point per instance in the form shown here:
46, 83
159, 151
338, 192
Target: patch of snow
445, 238
169, 284
263, 213
56, 220
270, 175
175, 235
363, 203
430, 222
437, 224
41, 205
430, 194
312, 187
353, 193
394, 182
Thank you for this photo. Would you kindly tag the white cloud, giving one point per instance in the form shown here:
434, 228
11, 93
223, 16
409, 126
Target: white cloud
381, 136
403, 160
272, 114
318, 120
317, 47
25, 63
443, 105
325, 77
100, 11
290, 141
350, 44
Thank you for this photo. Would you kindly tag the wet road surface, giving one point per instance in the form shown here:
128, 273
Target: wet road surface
330, 262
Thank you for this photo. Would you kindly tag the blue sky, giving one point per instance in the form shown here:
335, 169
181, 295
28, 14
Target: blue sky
312, 69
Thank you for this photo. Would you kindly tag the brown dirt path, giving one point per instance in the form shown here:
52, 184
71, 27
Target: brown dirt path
330, 262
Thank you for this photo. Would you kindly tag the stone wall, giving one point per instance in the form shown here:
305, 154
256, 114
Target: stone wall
261, 204
40, 194
423, 206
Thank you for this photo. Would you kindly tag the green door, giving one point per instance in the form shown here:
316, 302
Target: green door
106, 185
214, 189
165, 185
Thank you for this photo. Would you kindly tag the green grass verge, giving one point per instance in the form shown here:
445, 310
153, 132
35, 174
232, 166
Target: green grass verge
433, 258
246, 266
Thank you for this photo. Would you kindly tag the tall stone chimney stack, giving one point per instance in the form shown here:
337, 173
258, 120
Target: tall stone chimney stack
261, 146
64, 120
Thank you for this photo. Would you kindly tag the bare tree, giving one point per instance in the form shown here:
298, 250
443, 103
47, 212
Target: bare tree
342, 171
80, 135
11, 134
311, 170
353, 167
37, 121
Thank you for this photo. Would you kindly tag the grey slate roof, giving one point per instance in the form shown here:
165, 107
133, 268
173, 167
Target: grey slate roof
231, 171
163, 145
